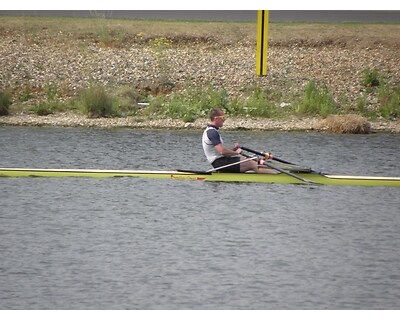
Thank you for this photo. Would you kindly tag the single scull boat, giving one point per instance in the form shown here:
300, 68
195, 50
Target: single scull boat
286, 172
313, 177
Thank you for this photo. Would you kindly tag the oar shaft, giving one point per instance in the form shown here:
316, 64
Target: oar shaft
253, 151
276, 168
266, 155
290, 174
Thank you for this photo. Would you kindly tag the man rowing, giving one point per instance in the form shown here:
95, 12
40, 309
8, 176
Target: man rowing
220, 157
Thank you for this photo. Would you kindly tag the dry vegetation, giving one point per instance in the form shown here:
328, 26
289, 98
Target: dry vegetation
125, 31
350, 123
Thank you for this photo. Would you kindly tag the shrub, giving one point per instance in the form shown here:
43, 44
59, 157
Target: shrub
96, 103
193, 103
126, 100
5, 102
370, 78
361, 104
45, 108
51, 102
25, 94
315, 101
389, 99
259, 104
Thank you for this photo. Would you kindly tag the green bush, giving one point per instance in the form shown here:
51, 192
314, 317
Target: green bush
25, 94
389, 99
361, 103
96, 103
51, 102
370, 78
52, 92
193, 103
47, 107
259, 104
385, 96
316, 101
126, 100
5, 102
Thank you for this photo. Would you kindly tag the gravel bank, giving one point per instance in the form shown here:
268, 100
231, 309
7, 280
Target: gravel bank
74, 120
39, 60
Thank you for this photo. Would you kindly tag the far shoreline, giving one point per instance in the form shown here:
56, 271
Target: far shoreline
305, 124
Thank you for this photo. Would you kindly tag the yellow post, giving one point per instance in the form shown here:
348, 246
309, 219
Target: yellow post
262, 43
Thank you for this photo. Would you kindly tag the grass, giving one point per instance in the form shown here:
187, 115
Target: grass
126, 99
389, 98
371, 78
260, 103
194, 102
387, 104
316, 101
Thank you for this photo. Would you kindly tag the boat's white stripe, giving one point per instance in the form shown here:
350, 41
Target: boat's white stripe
96, 171
362, 177
168, 172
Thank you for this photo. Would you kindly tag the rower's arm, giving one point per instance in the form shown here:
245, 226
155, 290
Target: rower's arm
226, 151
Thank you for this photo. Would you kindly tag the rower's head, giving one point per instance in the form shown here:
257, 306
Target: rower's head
217, 117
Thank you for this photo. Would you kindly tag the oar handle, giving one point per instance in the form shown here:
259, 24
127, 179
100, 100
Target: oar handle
265, 155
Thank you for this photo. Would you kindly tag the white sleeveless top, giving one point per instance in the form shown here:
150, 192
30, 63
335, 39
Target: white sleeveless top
211, 138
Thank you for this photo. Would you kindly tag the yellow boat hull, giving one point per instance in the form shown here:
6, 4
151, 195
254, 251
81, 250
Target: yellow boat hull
280, 178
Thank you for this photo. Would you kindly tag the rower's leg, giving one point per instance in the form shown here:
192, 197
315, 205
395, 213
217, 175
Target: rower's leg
266, 170
252, 165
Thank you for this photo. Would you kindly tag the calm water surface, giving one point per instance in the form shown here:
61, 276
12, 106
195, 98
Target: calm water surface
133, 243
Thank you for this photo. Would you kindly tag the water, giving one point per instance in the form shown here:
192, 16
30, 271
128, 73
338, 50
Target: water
133, 243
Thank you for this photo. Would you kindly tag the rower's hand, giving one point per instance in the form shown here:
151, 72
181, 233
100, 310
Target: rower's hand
237, 149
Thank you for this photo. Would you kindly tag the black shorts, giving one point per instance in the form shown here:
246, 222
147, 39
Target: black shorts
225, 161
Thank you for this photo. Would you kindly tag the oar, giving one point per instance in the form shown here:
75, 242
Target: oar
271, 157
281, 170
290, 174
